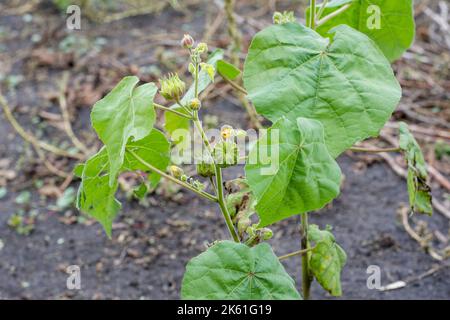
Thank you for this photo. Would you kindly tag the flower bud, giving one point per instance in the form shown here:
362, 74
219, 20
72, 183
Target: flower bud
202, 48
282, 18
195, 104
266, 233
243, 224
226, 132
176, 172
172, 88
206, 170
187, 41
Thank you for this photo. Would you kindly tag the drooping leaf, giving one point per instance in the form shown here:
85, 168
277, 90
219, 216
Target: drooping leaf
301, 176
326, 259
173, 121
418, 190
389, 23
227, 70
230, 270
127, 111
96, 197
292, 71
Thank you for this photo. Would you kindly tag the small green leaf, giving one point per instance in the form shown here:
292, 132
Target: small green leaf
304, 177
344, 82
389, 23
141, 191
67, 199
230, 270
23, 198
78, 170
227, 70
127, 111
326, 259
418, 190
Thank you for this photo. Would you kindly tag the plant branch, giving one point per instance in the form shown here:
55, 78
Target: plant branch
235, 85
333, 14
305, 245
322, 8
31, 138
295, 253
173, 179
172, 110
312, 18
374, 150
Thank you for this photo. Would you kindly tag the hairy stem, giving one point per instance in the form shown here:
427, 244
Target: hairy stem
306, 273
295, 253
219, 182
235, 86
374, 150
333, 14
171, 110
322, 8
312, 18
173, 179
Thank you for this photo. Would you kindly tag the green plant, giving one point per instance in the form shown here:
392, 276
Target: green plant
322, 94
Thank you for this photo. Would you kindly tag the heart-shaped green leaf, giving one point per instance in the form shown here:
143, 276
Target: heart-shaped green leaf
326, 259
344, 82
230, 270
302, 176
389, 23
96, 196
127, 111
418, 189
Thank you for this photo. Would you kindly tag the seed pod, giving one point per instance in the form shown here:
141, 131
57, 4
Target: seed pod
195, 104
266, 233
202, 48
226, 154
206, 170
172, 87
187, 41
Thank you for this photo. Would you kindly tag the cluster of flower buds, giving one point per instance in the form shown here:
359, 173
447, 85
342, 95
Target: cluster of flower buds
282, 18
179, 174
226, 153
172, 87
206, 170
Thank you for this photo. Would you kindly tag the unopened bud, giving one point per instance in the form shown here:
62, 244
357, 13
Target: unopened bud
195, 104
202, 47
266, 233
206, 170
172, 87
176, 172
226, 132
187, 42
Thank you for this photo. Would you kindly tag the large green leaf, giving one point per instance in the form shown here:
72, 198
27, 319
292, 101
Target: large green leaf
230, 270
96, 196
326, 259
418, 189
173, 121
305, 176
344, 82
389, 23
127, 111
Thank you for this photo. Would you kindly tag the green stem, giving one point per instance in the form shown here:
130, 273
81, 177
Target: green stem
235, 85
306, 273
173, 179
295, 253
322, 8
312, 18
219, 183
171, 110
333, 14
374, 150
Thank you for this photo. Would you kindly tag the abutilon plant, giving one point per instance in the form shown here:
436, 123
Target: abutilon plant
324, 87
